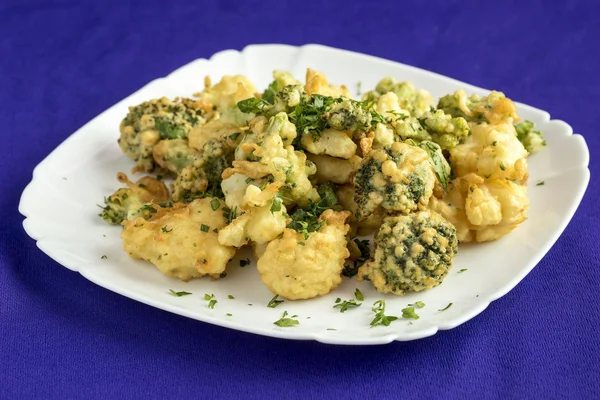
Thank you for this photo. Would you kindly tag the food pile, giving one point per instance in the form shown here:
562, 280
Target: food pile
301, 172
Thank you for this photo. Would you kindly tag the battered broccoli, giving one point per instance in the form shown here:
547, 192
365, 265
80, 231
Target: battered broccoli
147, 123
416, 102
131, 202
202, 177
412, 253
434, 125
494, 108
350, 115
398, 178
531, 138
174, 155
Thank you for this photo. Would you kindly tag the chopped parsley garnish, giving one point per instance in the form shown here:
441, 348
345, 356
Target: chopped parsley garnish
380, 317
252, 105
142, 186
437, 162
305, 220
204, 228
104, 257
276, 203
358, 294
216, 230
418, 304
211, 300
447, 307
165, 230
286, 322
179, 294
230, 214
345, 305
269, 94
302, 243
249, 180
245, 262
148, 208
331, 329
215, 204
235, 135
274, 302
540, 183
358, 88
229, 315
409, 313
462, 270
230, 297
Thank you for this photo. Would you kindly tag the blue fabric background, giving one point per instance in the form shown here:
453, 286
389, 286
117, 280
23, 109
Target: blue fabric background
63, 62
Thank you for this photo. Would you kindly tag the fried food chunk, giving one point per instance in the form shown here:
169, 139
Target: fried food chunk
415, 101
316, 83
127, 203
336, 170
330, 142
492, 152
296, 267
398, 178
180, 241
494, 108
483, 210
262, 217
412, 253
154, 120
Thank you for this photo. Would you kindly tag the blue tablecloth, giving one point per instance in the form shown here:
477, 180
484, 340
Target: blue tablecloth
63, 62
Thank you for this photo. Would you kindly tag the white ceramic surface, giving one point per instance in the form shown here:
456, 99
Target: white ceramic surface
60, 206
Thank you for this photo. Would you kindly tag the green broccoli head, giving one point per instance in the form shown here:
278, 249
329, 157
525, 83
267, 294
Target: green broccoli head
128, 203
412, 253
415, 101
174, 154
349, 115
158, 119
397, 178
494, 108
446, 131
532, 139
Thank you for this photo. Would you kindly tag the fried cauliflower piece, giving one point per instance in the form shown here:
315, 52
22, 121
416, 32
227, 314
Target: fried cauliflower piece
494, 108
398, 178
316, 83
264, 152
412, 253
180, 241
298, 268
483, 210
330, 142
492, 151
336, 170
154, 120
128, 203
225, 95
262, 217
174, 154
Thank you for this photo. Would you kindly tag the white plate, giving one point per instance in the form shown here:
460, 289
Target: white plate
61, 213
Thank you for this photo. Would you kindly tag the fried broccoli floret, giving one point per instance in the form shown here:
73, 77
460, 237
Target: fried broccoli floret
349, 115
397, 178
202, 177
281, 80
532, 139
435, 126
148, 123
412, 253
174, 155
416, 102
132, 202
495, 108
